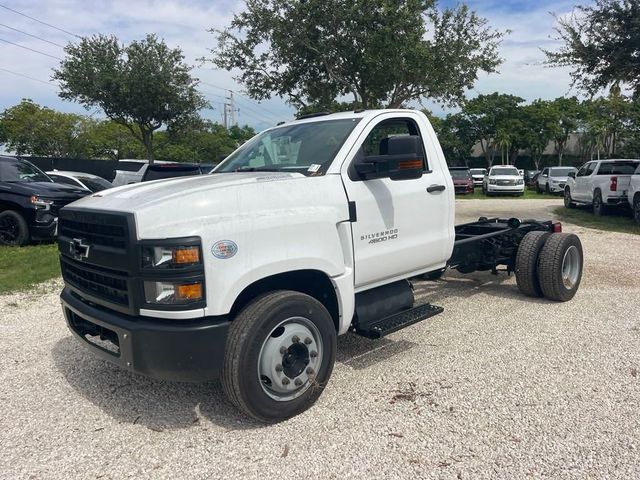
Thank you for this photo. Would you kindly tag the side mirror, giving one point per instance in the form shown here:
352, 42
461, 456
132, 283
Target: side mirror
572, 174
404, 160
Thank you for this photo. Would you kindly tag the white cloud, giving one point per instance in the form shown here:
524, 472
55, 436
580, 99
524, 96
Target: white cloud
184, 23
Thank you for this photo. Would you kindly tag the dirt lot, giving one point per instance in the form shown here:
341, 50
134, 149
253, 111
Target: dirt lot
498, 386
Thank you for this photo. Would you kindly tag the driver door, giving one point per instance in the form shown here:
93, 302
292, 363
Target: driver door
402, 226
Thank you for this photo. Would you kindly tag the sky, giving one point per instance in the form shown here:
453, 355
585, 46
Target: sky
184, 24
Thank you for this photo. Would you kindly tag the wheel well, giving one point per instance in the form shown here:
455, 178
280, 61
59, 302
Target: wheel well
4, 205
312, 282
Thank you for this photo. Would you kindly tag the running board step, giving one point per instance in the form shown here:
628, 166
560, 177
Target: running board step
398, 321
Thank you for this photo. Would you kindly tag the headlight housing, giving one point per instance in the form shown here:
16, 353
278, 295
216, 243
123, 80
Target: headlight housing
520, 181
492, 181
41, 202
173, 293
171, 256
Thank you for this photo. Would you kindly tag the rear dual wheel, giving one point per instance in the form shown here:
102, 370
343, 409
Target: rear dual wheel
549, 265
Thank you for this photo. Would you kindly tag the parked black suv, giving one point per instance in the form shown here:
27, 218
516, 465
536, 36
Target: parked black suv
30, 202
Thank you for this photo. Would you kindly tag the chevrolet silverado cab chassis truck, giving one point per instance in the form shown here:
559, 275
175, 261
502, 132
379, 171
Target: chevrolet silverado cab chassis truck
310, 230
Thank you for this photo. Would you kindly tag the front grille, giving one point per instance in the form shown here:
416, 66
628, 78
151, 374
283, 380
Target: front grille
108, 285
58, 203
506, 182
95, 228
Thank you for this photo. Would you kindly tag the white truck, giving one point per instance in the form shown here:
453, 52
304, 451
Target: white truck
600, 183
503, 179
310, 230
633, 194
553, 179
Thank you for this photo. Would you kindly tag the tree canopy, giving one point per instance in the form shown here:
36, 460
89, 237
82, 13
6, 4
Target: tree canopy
600, 44
377, 52
143, 86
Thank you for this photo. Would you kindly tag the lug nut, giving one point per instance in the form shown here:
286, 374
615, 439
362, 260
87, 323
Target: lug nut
310, 371
307, 340
283, 350
298, 382
278, 368
285, 381
313, 354
295, 339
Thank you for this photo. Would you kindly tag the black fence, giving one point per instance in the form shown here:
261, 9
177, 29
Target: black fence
102, 168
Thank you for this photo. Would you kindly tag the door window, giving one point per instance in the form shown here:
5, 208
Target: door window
377, 141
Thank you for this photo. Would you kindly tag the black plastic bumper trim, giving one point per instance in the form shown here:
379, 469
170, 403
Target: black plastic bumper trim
180, 350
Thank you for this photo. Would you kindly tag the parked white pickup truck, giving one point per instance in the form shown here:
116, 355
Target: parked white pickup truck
601, 184
503, 179
310, 230
633, 194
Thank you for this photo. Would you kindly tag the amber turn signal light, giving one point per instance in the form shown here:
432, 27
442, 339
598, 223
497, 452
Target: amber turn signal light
186, 255
191, 291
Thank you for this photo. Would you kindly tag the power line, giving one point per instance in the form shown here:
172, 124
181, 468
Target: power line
31, 49
239, 95
40, 21
31, 35
28, 77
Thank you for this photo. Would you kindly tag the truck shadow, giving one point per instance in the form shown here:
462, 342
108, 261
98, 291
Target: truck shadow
155, 404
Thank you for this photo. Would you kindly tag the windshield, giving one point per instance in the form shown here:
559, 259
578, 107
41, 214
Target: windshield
21, 171
561, 172
460, 174
307, 148
504, 171
95, 184
478, 171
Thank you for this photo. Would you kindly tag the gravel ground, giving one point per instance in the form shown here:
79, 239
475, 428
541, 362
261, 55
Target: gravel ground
498, 386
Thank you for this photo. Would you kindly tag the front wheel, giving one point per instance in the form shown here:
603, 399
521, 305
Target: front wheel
279, 355
636, 209
14, 230
568, 201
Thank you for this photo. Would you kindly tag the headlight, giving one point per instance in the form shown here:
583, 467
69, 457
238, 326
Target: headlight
520, 181
492, 181
172, 293
41, 202
171, 256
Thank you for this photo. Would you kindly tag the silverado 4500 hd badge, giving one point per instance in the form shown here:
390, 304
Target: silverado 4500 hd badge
224, 249
380, 236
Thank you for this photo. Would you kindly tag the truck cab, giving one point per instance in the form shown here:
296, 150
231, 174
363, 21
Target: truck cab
309, 230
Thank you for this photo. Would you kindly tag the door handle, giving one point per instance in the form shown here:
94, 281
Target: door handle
435, 188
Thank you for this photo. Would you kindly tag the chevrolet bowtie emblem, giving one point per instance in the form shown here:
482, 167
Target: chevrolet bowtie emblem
79, 250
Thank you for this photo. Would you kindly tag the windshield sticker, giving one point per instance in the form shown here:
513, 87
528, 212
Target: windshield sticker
224, 249
314, 168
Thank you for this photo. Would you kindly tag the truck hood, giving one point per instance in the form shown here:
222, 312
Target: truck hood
43, 189
138, 196
559, 179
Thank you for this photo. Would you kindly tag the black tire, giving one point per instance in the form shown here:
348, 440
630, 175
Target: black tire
568, 202
435, 275
14, 230
249, 331
546, 188
552, 273
538, 189
599, 208
636, 208
527, 263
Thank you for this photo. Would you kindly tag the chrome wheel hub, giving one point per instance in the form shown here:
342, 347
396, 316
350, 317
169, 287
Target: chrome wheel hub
289, 358
570, 267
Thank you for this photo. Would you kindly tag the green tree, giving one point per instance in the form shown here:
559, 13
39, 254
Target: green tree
537, 127
378, 52
28, 128
606, 124
487, 114
143, 86
600, 44
112, 140
455, 135
567, 114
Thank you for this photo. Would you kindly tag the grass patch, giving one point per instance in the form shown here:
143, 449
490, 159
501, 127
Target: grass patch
528, 195
619, 221
22, 267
